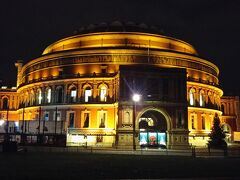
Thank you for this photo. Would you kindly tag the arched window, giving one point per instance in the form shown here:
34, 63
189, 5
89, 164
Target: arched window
102, 119
201, 98
26, 99
32, 98
87, 94
5, 103
59, 94
103, 93
39, 96
73, 94
210, 98
214, 98
48, 95
191, 97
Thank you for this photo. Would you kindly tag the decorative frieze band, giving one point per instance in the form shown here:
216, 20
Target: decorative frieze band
123, 59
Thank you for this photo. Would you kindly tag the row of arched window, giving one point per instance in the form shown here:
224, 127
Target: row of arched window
202, 99
50, 95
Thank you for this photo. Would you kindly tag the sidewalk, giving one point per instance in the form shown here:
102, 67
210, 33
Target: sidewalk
199, 152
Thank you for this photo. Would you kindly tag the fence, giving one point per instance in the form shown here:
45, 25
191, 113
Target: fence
35, 139
57, 143
195, 152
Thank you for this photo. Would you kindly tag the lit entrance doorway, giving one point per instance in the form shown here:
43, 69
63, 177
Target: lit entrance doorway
152, 130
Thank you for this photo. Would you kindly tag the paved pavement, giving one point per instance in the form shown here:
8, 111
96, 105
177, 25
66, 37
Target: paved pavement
198, 152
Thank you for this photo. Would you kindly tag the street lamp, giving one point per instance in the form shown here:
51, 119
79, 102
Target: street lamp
136, 98
7, 135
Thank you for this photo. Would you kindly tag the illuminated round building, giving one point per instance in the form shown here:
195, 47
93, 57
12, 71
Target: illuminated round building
82, 86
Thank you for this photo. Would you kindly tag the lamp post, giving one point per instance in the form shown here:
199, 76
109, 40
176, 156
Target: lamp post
7, 126
23, 124
39, 120
136, 98
39, 139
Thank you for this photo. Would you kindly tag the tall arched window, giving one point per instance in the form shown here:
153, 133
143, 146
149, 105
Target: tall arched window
48, 95
59, 94
32, 98
191, 97
26, 99
87, 94
103, 93
210, 98
39, 96
201, 98
5, 103
73, 94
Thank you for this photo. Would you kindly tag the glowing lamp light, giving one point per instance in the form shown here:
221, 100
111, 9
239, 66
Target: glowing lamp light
136, 97
1, 122
17, 124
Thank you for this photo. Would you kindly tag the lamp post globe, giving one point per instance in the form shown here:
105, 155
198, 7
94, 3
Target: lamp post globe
136, 97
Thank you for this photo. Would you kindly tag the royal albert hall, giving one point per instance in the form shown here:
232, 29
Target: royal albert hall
122, 85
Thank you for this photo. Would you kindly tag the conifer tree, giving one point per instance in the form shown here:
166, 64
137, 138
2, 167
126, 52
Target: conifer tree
217, 135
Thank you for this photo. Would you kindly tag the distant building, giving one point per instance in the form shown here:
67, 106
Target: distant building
83, 87
230, 116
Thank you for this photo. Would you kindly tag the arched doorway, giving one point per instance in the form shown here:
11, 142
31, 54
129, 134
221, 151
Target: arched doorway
153, 125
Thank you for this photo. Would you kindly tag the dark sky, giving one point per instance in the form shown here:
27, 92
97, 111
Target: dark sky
211, 26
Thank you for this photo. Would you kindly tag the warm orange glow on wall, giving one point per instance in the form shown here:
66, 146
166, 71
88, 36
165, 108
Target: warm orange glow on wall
86, 69
45, 73
77, 58
107, 39
54, 71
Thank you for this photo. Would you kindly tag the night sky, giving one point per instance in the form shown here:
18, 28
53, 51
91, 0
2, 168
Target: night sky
211, 26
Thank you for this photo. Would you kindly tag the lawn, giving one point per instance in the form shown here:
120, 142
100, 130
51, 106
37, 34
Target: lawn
40, 165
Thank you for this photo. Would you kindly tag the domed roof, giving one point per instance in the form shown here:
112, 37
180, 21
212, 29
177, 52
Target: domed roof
118, 26
119, 34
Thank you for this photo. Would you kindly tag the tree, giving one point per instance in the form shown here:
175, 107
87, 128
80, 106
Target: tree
217, 135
